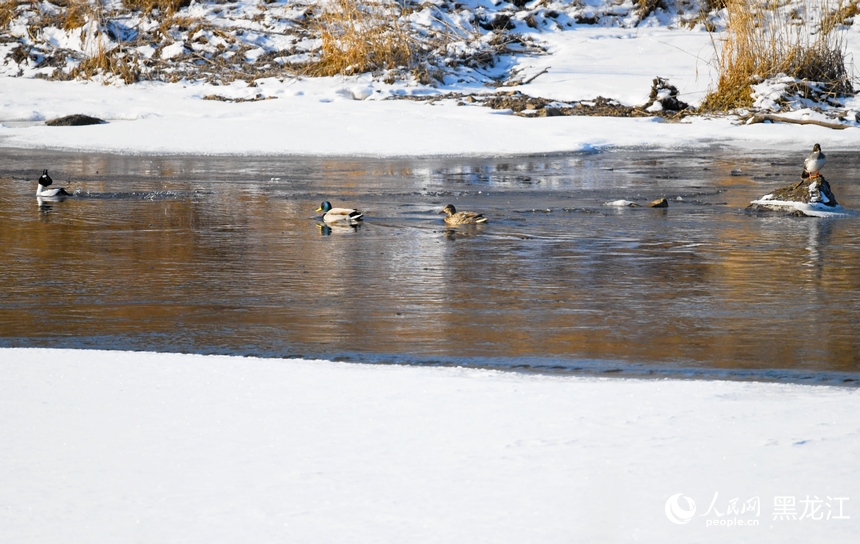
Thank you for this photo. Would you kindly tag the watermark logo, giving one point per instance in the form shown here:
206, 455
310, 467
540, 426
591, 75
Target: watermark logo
680, 509
738, 512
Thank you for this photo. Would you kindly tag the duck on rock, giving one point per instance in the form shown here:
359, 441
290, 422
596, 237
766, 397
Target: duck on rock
813, 163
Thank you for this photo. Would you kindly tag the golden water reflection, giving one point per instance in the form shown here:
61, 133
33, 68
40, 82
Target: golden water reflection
184, 264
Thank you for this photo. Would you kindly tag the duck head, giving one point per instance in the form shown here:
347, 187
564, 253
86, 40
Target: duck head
324, 207
45, 180
449, 210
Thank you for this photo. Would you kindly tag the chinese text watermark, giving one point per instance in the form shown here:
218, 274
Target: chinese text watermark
740, 511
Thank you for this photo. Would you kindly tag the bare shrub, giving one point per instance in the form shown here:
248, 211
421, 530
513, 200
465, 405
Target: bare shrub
765, 39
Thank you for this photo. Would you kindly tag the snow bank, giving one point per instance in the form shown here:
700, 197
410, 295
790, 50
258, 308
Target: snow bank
326, 120
348, 116
106, 447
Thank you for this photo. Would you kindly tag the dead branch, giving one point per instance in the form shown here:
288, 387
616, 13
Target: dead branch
762, 117
523, 82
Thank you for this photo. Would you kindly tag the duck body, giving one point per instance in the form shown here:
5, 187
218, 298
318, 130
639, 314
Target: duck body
339, 215
42, 190
813, 163
453, 217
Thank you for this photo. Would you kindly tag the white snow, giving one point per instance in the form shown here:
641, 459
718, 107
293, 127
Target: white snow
351, 116
620, 203
172, 51
321, 117
811, 209
105, 447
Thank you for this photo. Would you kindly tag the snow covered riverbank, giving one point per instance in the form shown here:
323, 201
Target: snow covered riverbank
117, 447
356, 115
171, 119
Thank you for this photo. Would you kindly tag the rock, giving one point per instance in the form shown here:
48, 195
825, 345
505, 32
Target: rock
76, 120
659, 203
810, 197
664, 97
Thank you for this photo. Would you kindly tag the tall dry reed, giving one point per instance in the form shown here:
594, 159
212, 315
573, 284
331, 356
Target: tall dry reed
766, 38
360, 37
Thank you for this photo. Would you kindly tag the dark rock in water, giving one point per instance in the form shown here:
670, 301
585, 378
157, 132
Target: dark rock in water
810, 196
76, 120
659, 203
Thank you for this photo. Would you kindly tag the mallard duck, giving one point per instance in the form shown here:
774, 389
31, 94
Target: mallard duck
814, 162
339, 215
453, 217
42, 190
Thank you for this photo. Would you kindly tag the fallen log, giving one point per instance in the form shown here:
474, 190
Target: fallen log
762, 117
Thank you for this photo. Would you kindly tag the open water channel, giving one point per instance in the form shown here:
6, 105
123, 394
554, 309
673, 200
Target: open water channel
225, 255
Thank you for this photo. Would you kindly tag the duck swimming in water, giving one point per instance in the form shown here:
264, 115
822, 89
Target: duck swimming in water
42, 190
813, 163
339, 215
453, 217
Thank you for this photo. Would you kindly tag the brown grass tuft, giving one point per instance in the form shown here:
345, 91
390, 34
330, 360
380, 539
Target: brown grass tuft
78, 12
107, 63
647, 7
360, 37
764, 40
8, 10
841, 15
164, 7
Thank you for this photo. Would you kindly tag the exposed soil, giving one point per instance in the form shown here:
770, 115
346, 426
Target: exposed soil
530, 106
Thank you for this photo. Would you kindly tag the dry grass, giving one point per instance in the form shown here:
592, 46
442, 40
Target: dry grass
644, 8
107, 62
840, 15
78, 12
764, 40
164, 7
360, 37
8, 9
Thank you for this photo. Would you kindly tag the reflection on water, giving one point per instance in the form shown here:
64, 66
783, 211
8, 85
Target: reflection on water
225, 255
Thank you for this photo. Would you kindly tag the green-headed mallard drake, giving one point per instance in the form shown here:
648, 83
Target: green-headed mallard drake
814, 162
339, 215
453, 217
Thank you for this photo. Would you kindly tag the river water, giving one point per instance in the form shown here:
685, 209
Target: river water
225, 255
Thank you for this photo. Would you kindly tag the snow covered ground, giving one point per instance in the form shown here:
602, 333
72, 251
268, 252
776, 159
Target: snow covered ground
106, 447
351, 116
